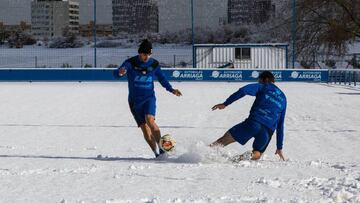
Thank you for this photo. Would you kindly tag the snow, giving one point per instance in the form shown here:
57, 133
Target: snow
354, 48
77, 142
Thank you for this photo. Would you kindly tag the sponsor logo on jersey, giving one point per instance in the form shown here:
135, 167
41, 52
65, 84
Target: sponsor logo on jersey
143, 79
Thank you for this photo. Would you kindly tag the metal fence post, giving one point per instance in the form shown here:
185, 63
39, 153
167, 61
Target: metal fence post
345, 77
82, 61
36, 62
331, 73
95, 43
353, 79
293, 32
174, 61
193, 34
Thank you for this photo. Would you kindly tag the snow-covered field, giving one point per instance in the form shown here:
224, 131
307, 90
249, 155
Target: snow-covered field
52, 133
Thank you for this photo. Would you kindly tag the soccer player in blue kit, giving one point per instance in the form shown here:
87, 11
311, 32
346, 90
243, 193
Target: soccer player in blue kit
267, 114
141, 71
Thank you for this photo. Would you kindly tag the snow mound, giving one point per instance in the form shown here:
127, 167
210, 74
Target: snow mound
199, 152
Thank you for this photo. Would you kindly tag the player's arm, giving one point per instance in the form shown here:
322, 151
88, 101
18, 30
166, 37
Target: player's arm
165, 83
122, 70
251, 89
280, 134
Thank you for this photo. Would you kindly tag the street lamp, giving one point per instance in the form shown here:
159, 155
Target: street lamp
94, 32
192, 32
293, 33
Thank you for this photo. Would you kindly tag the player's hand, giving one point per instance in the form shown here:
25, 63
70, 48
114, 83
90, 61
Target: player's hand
279, 152
177, 92
218, 106
122, 71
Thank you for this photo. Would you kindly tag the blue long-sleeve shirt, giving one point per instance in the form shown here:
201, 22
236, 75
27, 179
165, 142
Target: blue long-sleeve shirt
269, 107
141, 78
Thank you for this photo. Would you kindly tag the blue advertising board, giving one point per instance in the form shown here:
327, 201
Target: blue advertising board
231, 75
245, 75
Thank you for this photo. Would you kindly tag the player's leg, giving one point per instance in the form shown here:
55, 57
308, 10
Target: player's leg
240, 133
261, 142
149, 137
150, 111
223, 141
154, 128
155, 131
256, 155
139, 116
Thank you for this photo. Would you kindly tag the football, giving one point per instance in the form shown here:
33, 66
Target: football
167, 143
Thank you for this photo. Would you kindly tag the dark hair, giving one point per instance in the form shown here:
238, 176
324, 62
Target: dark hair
266, 77
145, 47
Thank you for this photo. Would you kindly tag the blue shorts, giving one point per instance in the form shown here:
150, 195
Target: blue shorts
248, 129
148, 107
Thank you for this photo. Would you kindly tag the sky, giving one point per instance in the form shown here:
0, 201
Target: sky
14, 11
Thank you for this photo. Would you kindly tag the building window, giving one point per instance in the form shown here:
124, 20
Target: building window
242, 54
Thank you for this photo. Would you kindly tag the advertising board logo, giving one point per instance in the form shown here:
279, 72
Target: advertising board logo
313, 75
188, 74
226, 75
255, 74
294, 74
176, 74
277, 75
215, 74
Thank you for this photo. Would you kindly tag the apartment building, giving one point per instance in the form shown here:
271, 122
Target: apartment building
135, 16
175, 15
250, 11
49, 18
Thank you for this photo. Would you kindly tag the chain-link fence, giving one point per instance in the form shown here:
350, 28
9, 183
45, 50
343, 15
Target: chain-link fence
84, 57
343, 76
326, 61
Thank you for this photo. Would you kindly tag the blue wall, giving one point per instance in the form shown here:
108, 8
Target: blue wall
172, 74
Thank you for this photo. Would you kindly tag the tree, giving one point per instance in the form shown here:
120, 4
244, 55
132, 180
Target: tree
68, 40
23, 26
69, 35
327, 25
324, 27
2, 33
15, 39
18, 39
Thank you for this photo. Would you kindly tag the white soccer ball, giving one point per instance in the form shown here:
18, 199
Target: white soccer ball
167, 143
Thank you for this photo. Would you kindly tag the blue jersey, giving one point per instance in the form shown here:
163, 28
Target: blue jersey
141, 78
268, 109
